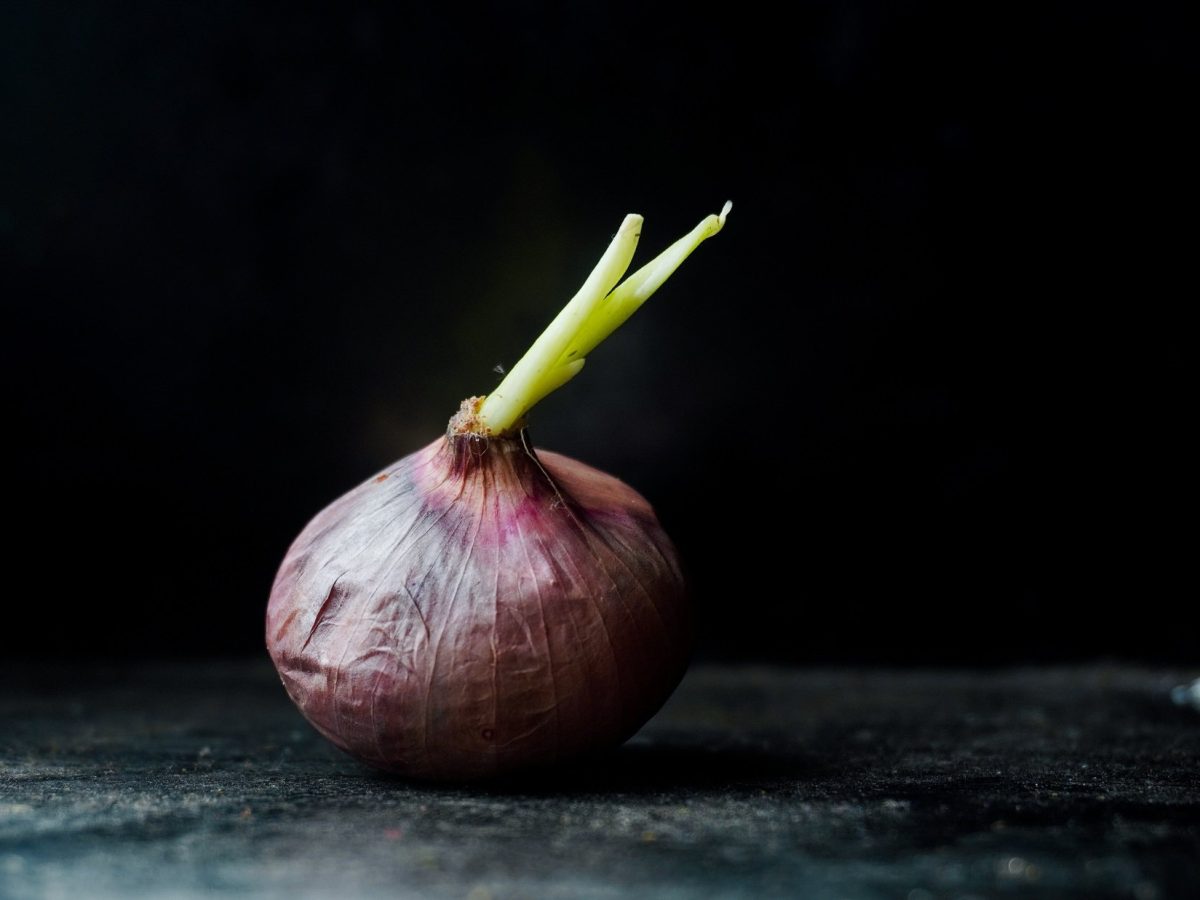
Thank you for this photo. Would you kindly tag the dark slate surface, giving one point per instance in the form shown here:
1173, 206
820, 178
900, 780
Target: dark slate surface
188, 780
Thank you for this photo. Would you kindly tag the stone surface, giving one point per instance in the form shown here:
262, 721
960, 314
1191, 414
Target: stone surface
190, 780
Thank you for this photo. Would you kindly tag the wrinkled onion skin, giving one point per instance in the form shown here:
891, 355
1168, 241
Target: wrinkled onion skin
475, 609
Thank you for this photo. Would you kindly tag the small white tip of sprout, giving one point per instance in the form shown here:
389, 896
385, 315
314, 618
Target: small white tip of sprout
725, 210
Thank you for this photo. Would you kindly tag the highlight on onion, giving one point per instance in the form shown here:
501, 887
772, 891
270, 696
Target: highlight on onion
481, 607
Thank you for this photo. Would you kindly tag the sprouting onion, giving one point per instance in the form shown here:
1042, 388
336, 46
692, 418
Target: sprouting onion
480, 607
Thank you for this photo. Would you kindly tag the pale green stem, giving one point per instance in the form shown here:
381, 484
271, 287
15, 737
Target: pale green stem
638, 287
592, 315
531, 378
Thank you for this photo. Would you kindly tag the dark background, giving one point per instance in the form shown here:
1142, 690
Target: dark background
922, 401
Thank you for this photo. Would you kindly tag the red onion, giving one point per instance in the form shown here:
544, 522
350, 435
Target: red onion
480, 607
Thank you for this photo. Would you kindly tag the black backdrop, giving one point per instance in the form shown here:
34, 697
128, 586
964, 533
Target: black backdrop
923, 400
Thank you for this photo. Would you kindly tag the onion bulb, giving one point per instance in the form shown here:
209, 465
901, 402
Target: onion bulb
479, 606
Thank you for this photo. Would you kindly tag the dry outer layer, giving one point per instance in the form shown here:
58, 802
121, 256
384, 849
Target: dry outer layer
477, 608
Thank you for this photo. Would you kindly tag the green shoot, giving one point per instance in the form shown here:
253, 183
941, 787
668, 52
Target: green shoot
594, 313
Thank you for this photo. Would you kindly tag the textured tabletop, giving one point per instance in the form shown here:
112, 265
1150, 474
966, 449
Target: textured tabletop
197, 779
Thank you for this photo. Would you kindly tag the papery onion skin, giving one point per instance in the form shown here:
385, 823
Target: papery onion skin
478, 608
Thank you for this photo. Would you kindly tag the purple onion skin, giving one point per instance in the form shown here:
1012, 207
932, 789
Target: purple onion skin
476, 609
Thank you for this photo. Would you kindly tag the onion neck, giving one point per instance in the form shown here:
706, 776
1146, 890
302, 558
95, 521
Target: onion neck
596, 311
469, 445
